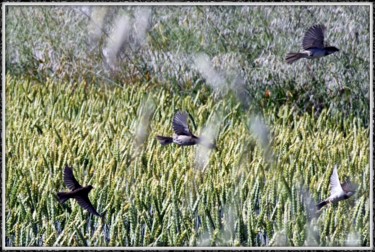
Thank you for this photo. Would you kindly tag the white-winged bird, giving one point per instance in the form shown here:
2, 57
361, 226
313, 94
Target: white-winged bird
338, 191
313, 45
77, 192
183, 136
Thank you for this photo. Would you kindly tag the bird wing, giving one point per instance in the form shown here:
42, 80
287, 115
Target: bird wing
335, 183
314, 37
84, 202
180, 125
348, 187
69, 179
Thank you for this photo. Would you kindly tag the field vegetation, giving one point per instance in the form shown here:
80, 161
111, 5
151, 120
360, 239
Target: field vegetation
92, 86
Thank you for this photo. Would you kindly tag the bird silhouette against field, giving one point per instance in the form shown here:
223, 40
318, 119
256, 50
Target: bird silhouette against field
313, 45
339, 191
77, 192
182, 135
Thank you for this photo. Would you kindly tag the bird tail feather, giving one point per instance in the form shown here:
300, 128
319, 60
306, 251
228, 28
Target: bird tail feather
321, 204
292, 57
164, 140
62, 197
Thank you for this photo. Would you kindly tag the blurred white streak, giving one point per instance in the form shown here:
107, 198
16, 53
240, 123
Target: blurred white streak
227, 77
214, 79
141, 25
228, 223
204, 240
85, 9
142, 126
279, 239
312, 228
308, 202
16, 57
239, 88
119, 36
208, 137
95, 27
353, 240
312, 234
262, 133
260, 130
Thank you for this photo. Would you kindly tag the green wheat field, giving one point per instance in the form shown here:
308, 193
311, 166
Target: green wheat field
91, 87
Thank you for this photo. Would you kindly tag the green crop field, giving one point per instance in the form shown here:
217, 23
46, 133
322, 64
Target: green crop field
81, 92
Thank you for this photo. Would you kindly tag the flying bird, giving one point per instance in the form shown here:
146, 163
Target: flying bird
313, 45
77, 192
338, 191
182, 135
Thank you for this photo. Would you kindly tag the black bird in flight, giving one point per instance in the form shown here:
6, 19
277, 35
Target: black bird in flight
183, 136
77, 192
338, 191
313, 45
